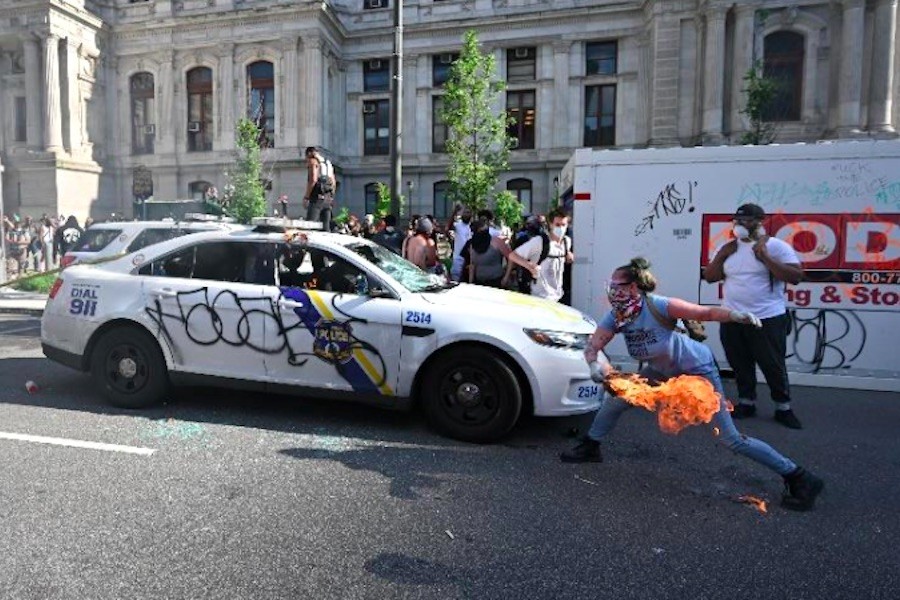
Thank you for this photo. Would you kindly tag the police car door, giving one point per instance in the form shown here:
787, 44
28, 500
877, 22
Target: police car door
208, 306
335, 338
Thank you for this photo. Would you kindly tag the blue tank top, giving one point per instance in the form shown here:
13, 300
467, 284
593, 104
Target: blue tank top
664, 350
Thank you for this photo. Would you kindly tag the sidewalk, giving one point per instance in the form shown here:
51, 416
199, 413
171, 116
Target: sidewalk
14, 301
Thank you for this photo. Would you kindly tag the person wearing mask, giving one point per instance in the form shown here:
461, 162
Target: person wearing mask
485, 254
460, 225
390, 237
669, 353
46, 233
754, 269
320, 188
550, 254
68, 235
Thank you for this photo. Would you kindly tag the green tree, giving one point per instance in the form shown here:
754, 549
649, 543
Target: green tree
247, 198
508, 209
760, 92
477, 143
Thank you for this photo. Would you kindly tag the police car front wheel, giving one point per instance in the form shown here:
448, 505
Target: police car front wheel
128, 366
471, 394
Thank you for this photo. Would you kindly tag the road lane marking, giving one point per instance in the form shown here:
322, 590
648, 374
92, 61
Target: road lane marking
39, 439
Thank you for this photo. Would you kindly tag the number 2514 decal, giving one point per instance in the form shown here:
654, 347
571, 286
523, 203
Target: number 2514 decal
588, 391
414, 316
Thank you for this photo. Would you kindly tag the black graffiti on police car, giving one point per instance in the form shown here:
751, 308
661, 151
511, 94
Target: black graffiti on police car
202, 315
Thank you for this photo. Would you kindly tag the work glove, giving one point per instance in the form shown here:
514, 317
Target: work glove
745, 318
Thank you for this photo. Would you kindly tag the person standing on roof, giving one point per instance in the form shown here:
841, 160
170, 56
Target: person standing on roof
320, 187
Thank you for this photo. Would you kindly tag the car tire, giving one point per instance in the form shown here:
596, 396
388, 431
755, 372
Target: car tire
129, 368
471, 394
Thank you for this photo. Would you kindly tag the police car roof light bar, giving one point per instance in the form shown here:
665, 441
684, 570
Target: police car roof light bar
280, 225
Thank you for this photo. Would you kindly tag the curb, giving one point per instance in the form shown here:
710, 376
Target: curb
17, 310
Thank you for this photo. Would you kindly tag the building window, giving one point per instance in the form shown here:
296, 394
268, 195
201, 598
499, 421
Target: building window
783, 63
261, 78
520, 108
200, 109
377, 75
371, 196
368, 4
442, 208
521, 64
376, 126
197, 189
600, 115
522, 190
440, 67
143, 103
21, 122
600, 58
439, 129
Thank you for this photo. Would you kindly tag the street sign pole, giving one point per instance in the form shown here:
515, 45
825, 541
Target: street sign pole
397, 110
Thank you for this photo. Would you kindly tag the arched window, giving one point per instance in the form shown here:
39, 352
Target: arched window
261, 110
371, 198
197, 189
143, 113
200, 109
522, 189
784, 63
442, 207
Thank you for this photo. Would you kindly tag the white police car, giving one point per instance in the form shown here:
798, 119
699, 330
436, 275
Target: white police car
315, 313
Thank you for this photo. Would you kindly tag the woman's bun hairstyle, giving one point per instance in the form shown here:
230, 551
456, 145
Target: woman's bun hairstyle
638, 270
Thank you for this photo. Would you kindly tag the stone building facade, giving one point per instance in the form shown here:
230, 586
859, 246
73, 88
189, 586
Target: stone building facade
104, 99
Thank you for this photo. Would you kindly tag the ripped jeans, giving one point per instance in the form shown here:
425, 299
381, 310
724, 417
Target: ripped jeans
754, 449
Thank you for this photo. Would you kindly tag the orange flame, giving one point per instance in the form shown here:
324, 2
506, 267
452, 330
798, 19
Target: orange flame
757, 503
679, 401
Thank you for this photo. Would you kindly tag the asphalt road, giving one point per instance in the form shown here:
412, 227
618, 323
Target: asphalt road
251, 496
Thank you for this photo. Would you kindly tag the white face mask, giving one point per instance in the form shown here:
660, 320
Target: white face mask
560, 231
740, 232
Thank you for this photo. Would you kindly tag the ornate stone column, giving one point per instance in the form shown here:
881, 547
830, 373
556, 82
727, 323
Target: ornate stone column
742, 62
311, 130
34, 117
713, 75
52, 116
850, 83
226, 120
881, 102
288, 101
72, 102
165, 118
560, 97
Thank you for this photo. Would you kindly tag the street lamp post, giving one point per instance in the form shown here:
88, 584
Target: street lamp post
396, 109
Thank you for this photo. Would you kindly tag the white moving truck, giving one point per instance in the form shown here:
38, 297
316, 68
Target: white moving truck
837, 204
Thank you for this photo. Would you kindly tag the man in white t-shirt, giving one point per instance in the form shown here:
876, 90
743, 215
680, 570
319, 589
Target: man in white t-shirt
460, 221
755, 268
549, 281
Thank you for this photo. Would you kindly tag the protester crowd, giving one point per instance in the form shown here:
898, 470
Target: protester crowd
36, 245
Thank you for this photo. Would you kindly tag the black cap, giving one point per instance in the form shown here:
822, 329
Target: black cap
754, 211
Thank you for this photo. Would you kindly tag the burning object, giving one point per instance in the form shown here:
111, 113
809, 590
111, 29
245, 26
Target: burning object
678, 402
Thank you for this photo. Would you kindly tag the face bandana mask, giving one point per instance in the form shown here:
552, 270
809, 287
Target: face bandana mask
625, 305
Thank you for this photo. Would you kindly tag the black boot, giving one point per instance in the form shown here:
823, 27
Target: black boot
800, 490
587, 451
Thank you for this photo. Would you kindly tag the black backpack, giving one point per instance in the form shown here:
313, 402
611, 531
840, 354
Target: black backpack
324, 183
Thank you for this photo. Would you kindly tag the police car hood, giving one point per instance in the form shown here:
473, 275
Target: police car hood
503, 305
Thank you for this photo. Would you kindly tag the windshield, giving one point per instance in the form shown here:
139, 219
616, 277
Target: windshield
95, 240
407, 274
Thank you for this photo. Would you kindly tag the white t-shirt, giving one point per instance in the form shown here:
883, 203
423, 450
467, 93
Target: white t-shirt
549, 283
748, 286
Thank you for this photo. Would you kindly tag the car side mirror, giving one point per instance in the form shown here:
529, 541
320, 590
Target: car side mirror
379, 292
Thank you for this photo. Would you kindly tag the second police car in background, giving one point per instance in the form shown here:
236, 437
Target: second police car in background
320, 314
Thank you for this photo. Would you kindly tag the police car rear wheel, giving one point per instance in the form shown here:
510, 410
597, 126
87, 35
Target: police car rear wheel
129, 368
472, 395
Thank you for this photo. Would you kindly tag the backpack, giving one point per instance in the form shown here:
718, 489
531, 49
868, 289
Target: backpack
694, 329
325, 183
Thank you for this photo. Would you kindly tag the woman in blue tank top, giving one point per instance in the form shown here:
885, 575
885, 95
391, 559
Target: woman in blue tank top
667, 353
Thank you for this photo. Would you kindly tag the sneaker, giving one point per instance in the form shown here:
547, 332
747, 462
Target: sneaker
800, 490
587, 451
788, 419
743, 410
